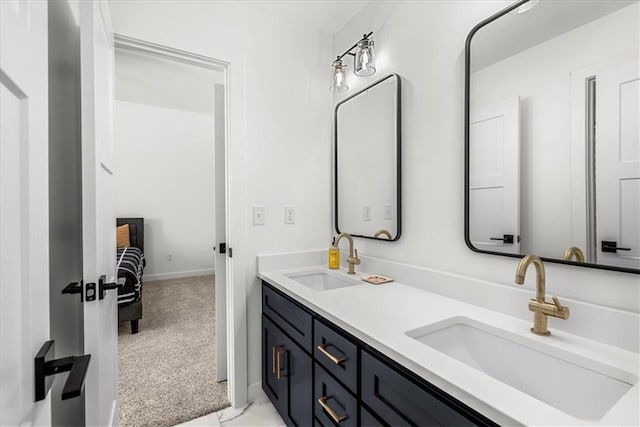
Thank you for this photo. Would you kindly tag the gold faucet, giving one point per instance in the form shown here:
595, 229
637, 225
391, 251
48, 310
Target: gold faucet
541, 309
574, 251
381, 232
353, 259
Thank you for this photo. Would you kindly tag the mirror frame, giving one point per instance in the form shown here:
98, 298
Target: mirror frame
397, 152
467, 87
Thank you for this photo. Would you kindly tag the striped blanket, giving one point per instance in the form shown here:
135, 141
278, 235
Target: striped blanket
130, 266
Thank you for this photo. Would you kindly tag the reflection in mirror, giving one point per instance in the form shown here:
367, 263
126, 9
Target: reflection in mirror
541, 177
367, 161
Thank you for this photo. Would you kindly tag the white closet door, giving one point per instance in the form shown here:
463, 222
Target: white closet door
494, 176
618, 164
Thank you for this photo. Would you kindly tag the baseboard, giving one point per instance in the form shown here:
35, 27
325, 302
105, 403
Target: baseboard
178, 274
255, 392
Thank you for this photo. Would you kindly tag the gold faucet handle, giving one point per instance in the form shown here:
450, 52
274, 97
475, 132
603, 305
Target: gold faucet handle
557, 303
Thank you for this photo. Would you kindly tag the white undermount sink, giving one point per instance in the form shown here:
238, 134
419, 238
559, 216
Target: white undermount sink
577, 386
323, 280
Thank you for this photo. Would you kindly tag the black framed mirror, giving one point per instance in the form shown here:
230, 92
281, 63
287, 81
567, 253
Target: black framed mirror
367, 140
540, 177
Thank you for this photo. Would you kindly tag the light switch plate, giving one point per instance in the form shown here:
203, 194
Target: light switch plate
258, 215
388, 212
289, 214
366, 213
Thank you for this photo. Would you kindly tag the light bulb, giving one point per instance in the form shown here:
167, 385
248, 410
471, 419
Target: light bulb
365, 59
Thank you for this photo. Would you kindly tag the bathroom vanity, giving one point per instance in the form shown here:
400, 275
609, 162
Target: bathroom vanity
316, 373
339, 351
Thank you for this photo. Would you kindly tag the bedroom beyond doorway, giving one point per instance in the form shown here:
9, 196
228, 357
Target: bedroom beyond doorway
169, 127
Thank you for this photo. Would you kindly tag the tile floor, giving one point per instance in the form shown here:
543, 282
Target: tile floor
257, 413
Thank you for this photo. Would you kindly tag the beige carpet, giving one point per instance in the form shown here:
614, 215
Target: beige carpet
167, 370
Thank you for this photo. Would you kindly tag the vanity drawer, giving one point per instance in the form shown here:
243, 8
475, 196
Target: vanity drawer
337, 354
398, 400
292, 318
368, 420
332, 403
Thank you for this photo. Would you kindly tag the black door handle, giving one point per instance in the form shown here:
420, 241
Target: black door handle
46, 366
611, 247
104, 287
506, 238
74, 288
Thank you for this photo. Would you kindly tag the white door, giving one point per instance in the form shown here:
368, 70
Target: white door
618, 165
220, 233
24, 214
494, 177
98, 211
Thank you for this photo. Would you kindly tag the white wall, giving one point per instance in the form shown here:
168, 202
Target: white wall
279, 125
424, 43
541, 76
166, 175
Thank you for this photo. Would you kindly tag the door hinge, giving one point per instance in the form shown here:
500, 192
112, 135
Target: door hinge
223, 248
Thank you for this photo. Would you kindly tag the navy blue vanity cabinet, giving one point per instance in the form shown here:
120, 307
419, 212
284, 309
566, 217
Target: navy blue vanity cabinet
315, 373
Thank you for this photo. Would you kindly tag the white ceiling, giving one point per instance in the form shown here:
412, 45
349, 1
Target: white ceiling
327, 16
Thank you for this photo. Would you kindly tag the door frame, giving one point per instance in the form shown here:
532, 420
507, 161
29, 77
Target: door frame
235, 295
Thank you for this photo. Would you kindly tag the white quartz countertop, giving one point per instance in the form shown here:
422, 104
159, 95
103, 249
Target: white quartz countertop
380, 315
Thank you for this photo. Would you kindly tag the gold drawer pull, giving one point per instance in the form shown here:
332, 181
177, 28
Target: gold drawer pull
279, 374
334, 359
337, 418
273, 359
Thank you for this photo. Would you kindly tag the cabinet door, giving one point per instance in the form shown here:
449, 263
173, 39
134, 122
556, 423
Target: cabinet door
286, 375
298, 373
272, 349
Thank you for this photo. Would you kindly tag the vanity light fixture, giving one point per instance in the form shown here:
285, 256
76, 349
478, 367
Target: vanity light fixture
364, 63
339, 79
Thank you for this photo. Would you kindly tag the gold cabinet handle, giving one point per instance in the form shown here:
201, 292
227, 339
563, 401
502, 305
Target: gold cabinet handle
337, 418
273, 359
334, 359
279, 353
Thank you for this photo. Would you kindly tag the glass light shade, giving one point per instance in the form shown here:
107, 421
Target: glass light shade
365, 61
338, 77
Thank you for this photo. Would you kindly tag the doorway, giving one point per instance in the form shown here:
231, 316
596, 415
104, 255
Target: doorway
171, 135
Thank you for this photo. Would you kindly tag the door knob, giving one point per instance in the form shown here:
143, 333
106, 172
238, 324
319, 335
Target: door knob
612, 247
74, 288
506, 238
46, 366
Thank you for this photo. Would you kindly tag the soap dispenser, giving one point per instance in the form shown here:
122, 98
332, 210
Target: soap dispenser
334, 256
